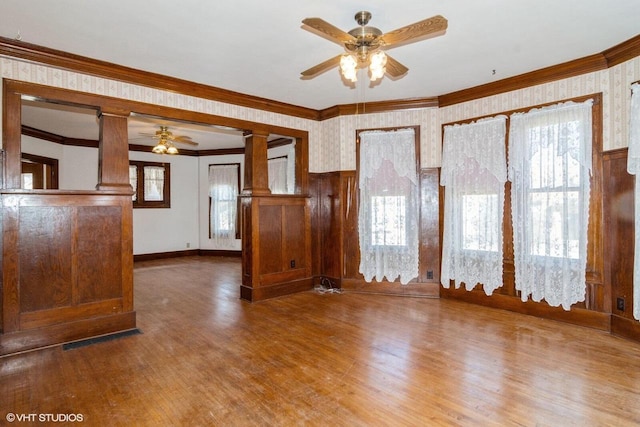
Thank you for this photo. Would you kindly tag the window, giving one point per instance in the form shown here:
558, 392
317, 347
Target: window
388, 221
224, 185
151, 184
388, 209
474, 172
550, 161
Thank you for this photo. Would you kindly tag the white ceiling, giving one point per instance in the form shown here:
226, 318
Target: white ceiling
258, 48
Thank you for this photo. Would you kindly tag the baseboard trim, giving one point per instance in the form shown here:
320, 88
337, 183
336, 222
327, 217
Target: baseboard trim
35, 339
411, 289
576, 316
190, 252
273, 291
625, 328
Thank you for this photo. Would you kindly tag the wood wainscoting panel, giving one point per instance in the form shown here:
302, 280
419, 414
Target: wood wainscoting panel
276, 246
67, 267
44, 253
619, 239
271, 239
99, 266
429, 271
293, 247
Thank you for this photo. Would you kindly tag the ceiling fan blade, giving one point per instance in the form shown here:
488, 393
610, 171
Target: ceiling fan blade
394, 68
324, 66
147, 135
434, 26
335, 34
184, 140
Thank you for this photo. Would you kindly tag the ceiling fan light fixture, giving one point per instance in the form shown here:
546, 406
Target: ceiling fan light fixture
172, 150
377, 65
349, 67
160, 148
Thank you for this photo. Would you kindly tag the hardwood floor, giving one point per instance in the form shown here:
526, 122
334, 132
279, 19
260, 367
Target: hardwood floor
207, 358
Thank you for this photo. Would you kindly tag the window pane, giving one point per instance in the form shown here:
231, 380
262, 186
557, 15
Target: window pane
549, 237
477, 233
552, 165
224, 216
153, 183
388, 221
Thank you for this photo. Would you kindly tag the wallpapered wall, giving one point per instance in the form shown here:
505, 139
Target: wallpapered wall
332, 142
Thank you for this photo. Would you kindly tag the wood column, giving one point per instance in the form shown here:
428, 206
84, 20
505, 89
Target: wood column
113, 169
256, 175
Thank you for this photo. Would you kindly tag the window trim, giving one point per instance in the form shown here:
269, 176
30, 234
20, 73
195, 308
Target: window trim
166, 193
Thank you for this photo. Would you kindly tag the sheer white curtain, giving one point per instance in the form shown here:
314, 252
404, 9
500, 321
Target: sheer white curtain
549, 168
388, 212
291, 168
223, 190
633, 167
282, 172
153, 183
474, 171
277, 170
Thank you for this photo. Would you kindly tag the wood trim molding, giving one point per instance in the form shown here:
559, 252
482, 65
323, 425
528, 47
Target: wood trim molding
623, 52
608, 58
83, 64
377, 107
574, 68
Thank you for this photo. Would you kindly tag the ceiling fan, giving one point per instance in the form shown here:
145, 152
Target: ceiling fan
166, 140
365, 45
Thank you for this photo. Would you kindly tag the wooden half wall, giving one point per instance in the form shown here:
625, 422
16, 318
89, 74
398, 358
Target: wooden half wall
276, 246
67, 256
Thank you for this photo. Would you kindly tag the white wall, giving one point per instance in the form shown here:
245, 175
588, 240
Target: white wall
78, 166
158, 230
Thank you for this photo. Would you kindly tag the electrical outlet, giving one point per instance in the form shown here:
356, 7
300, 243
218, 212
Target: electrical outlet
429, 274
620, 303
188, 245
293, 263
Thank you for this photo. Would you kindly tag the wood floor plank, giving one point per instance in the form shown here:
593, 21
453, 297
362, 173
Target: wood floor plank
205, 357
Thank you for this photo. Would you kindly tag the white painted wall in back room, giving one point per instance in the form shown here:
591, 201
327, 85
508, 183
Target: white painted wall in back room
170, 229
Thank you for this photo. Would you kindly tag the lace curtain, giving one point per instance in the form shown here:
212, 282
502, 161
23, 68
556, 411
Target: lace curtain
153, 183
282, 172
388, 212
474, 172
223, 190
277, 170
549, 168
633, 167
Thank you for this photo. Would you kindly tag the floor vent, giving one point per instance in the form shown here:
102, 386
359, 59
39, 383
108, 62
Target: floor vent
103, 338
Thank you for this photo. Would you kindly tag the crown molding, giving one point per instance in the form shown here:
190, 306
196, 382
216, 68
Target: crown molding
103, 69
608, 58
556, 72
618, 54
377, 107
623, 52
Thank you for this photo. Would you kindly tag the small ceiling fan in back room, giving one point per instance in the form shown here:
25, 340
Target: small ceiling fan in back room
166, 140
366, 45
